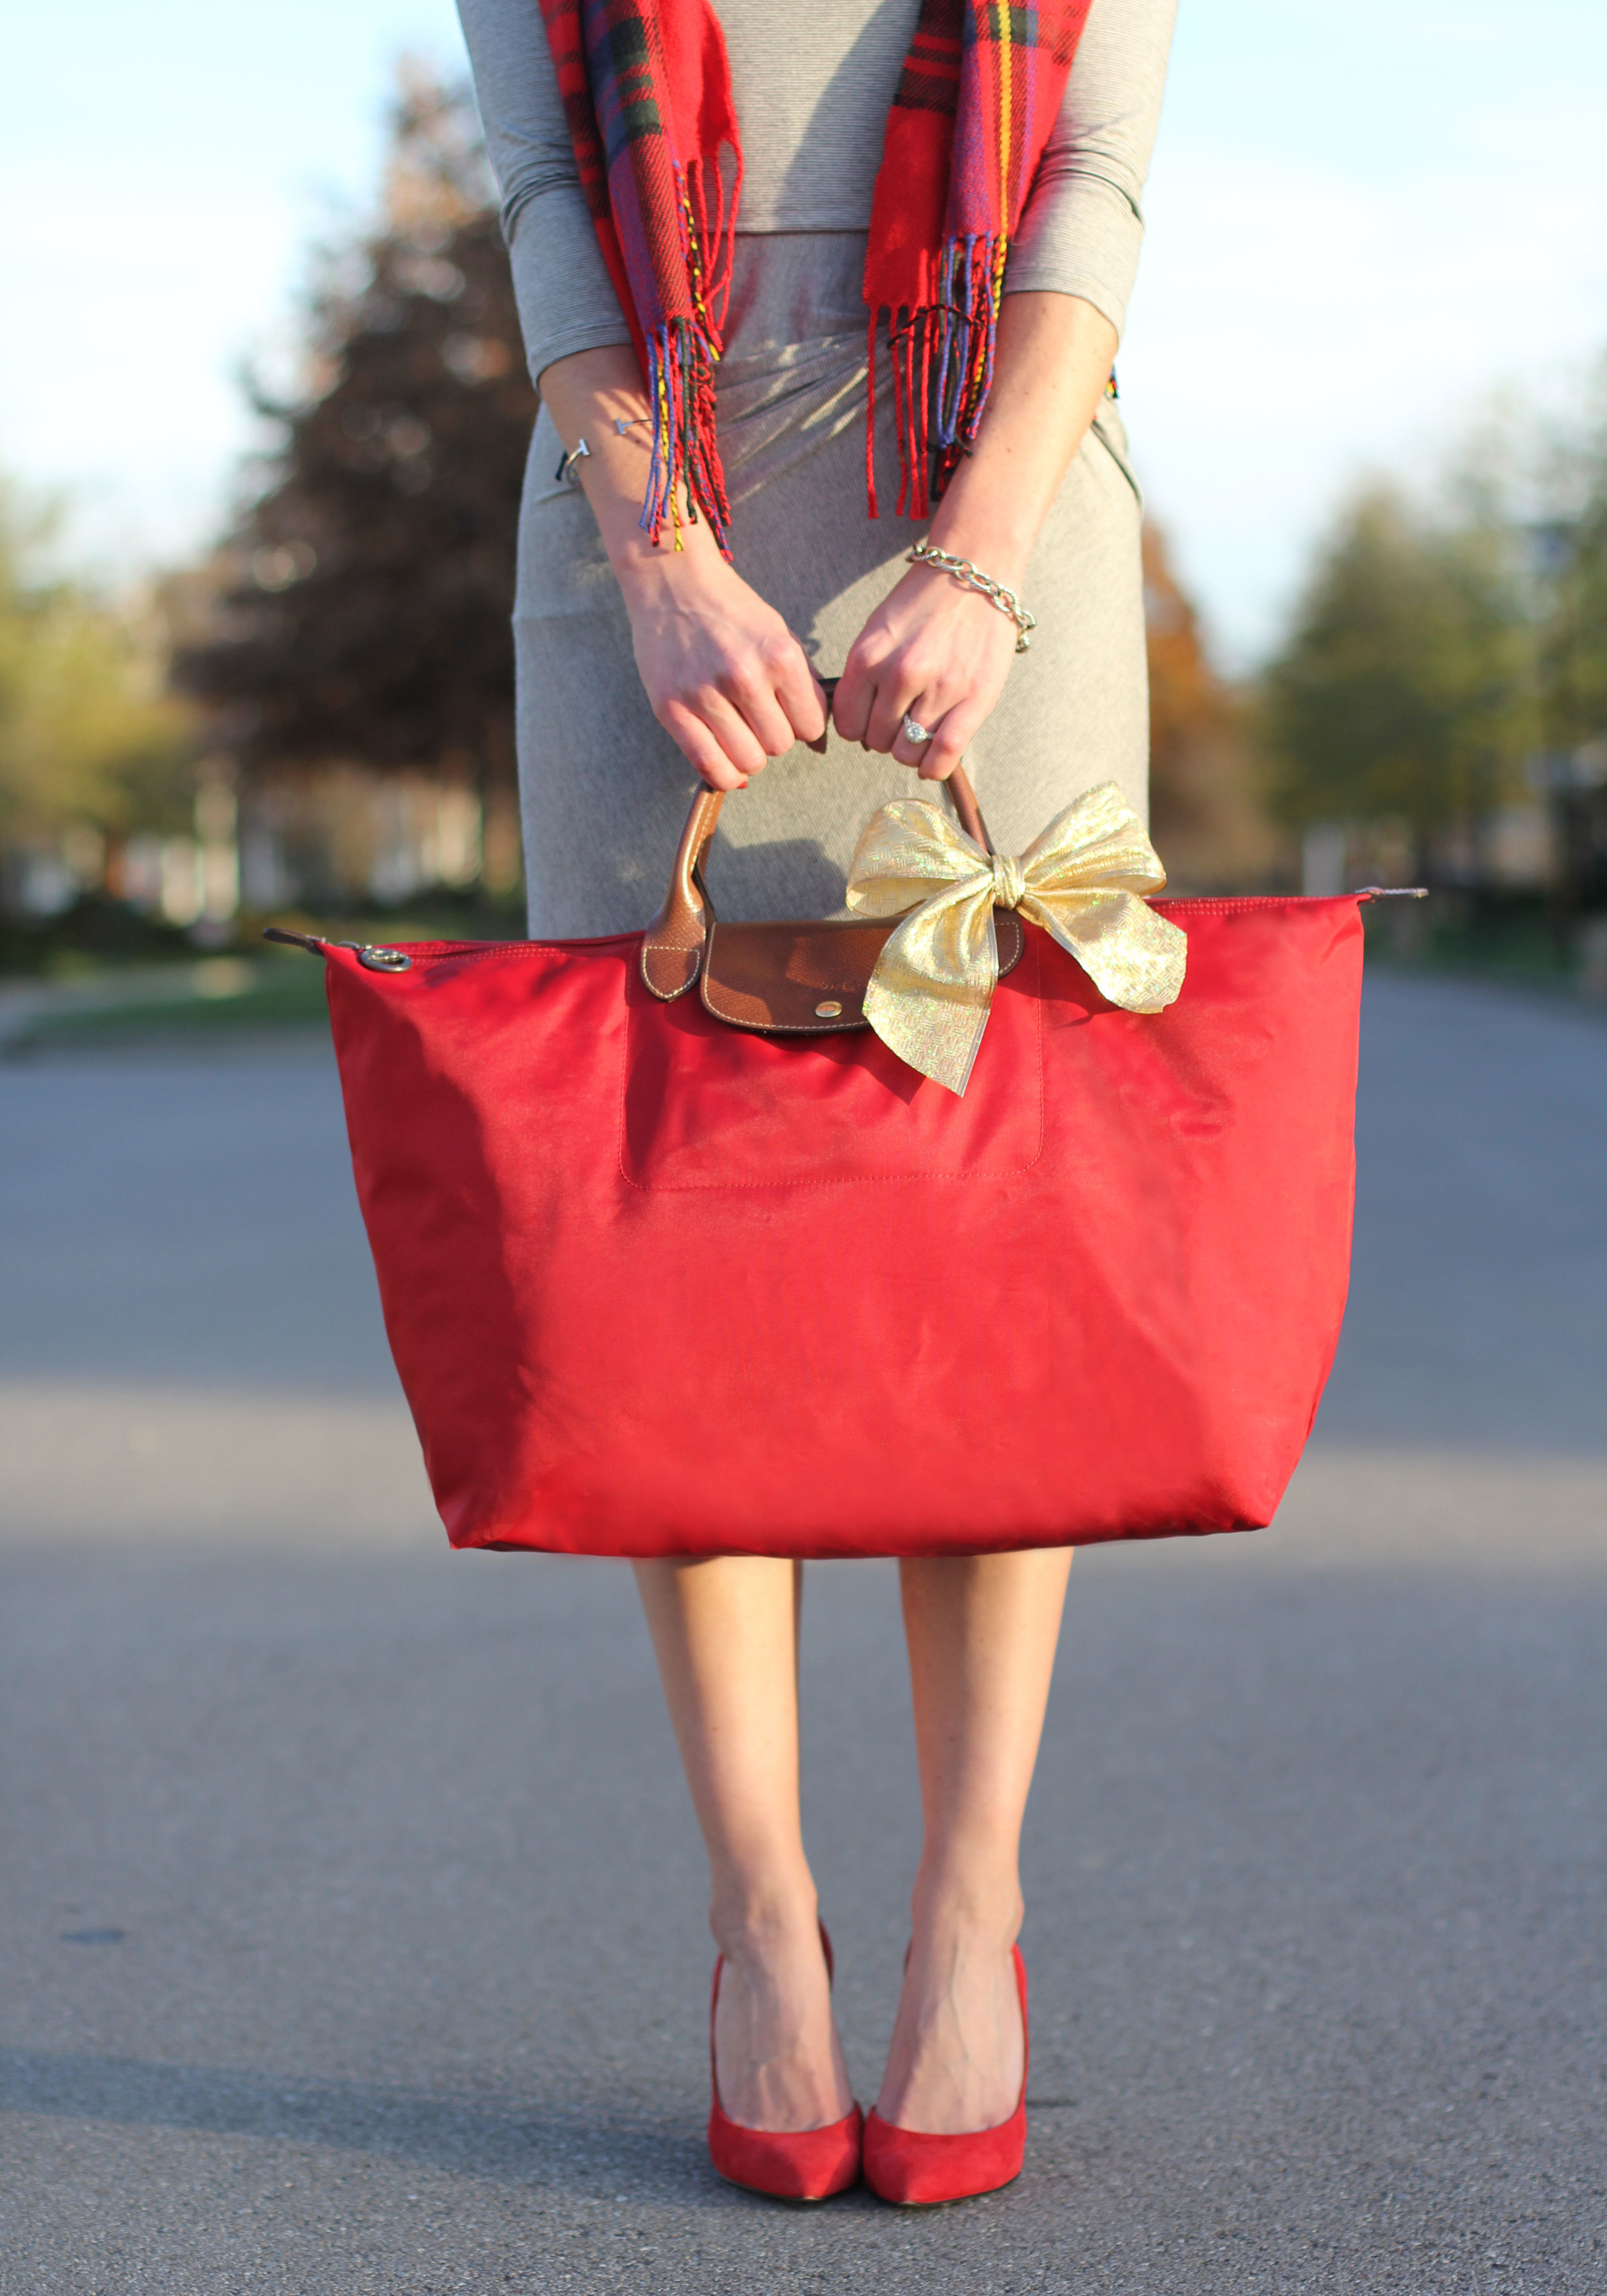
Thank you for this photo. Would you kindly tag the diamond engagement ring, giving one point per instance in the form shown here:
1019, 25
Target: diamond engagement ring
913, 733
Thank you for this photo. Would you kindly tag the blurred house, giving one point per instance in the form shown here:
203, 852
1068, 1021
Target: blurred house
346, 836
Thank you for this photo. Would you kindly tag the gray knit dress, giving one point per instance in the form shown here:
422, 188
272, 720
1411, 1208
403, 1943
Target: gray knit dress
603, 789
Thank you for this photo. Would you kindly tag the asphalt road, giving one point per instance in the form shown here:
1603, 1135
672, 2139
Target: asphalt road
350, 1911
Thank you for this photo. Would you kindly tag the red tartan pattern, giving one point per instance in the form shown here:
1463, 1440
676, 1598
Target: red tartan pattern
646, 92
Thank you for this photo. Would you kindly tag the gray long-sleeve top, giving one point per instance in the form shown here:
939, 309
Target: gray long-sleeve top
813, 89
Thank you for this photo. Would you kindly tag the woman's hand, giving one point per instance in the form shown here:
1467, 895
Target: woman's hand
931, 651
728, 680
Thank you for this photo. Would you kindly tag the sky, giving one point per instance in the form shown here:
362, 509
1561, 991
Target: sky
1362, 224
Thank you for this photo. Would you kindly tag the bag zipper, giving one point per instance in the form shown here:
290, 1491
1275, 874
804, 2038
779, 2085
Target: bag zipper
1230, 904
379, 956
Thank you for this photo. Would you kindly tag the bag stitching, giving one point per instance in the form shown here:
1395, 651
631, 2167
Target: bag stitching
786, 1028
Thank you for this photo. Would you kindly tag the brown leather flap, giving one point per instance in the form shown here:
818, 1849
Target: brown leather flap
808, 978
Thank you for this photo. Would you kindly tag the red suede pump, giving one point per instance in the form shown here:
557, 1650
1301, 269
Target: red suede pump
789, 2164
917, 2169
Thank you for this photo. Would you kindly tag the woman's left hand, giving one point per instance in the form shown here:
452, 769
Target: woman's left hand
931, 651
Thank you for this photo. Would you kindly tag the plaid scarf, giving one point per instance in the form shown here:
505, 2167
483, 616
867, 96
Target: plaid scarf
646, 91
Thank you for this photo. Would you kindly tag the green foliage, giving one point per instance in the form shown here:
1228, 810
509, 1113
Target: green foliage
1587, 608
1573, 583
86, 735
1405, 688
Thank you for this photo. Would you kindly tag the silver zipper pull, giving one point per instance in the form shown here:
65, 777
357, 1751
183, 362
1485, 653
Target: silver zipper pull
1392, 892
374, 955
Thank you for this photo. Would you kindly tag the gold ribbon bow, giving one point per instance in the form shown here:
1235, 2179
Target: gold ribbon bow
1080, 879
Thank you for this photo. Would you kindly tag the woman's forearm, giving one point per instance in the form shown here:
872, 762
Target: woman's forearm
934, 655
587, 396
1050, 366
728, 680
725, 677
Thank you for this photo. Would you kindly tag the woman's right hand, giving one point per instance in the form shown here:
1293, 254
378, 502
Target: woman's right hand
728, 680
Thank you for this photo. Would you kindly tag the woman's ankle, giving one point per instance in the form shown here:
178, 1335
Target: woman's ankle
966, 1912
779, 2064
758, 1924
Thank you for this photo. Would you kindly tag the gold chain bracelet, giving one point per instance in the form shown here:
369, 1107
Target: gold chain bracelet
966, 575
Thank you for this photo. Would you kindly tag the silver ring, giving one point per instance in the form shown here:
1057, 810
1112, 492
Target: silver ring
913, 733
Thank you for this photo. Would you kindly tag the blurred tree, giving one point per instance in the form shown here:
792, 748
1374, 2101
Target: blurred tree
1206, 816
1569, 546
86, 735
1405, 688
1569, 557
363, 598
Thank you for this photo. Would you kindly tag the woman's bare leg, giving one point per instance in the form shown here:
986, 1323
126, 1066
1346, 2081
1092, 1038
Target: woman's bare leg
982, 1631
725, 1634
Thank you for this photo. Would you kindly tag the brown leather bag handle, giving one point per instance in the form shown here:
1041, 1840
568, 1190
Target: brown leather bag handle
673, 949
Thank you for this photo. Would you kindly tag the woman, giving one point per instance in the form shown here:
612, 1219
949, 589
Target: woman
646, 658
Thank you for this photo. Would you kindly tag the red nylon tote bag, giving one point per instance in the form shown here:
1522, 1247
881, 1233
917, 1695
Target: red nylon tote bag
679, 1274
